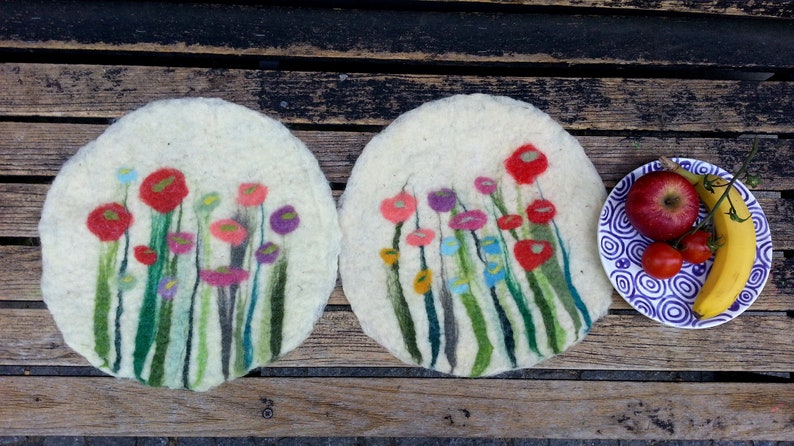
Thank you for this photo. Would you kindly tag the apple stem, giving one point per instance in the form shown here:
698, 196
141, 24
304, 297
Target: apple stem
671, 165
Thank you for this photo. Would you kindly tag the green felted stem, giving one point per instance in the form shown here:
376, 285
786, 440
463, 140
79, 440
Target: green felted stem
144, 337
518, 297
156, 373
577, 299
394, 290
484, 346
543, 296
102, 298
552, 270
433, 329
237, 340
506, 326
278, 281
202, 355
473, 310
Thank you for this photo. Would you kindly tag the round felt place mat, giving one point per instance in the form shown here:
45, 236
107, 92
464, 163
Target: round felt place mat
469, 237
193, 241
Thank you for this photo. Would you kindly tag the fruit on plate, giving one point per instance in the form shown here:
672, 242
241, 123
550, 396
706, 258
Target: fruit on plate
697, 247
661, 261
733, 227
662, 205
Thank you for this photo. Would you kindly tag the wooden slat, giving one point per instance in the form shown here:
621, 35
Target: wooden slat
617, 342
375, 99
21, 266
762, 8
39, 149
405, 407
401, 36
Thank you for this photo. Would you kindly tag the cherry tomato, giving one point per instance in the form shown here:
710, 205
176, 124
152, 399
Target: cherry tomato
695, 247
661, 261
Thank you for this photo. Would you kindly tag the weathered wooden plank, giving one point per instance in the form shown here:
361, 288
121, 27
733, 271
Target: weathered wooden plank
405, 407
40, 149
768, 8
376, 99
416, 36
20, 208
21, 267
617, 342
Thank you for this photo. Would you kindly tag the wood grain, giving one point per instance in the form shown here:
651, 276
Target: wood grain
405, 407
768, 8
40, 149
408, 36
617, 342
21, 266
681, 105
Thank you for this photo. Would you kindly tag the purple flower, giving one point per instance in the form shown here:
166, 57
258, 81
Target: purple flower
167, 287
485, 185
180, 242
223, 276
442, 200
469, 220
284, 220
267, 253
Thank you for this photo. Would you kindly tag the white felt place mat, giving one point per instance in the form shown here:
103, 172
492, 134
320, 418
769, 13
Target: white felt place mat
193, 241
469, 237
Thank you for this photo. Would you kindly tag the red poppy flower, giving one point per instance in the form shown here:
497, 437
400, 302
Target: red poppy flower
251, 194
109, 221
541, 211
469, 220
229, 231
164, 189
145, 254
510, 221
398, 208
526, 163
420, 237
532, 253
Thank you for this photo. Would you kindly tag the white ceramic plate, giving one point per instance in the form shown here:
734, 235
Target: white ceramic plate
670, 301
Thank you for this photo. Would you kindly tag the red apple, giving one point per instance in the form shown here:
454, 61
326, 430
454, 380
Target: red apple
662, 205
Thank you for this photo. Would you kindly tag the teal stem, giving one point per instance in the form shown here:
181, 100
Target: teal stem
434, 329
120, 306
248, 344
569, 280
144, 337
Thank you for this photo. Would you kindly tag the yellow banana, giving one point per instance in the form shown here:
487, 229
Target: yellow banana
734, 259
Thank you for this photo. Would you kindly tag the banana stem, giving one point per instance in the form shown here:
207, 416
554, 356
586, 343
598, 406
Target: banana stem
672, 166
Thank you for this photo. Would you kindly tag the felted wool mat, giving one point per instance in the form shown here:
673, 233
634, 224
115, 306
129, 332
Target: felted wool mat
469, 237
192, 242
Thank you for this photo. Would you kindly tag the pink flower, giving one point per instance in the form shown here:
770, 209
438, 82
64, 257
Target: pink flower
420, 237
485, 185
229, 231
251, 194
180, 242
469, 220
223, 276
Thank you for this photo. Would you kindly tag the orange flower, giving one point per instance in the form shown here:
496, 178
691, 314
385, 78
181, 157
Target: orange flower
389, 256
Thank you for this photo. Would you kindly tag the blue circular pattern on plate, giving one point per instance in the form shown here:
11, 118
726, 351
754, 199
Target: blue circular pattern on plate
670, 301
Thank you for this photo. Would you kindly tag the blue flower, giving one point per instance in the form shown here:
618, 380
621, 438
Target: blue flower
494, 273
458, 285
490, 245
449, 246
126, 175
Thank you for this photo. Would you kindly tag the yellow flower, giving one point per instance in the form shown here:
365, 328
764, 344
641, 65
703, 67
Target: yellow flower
423, 281
389, 256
